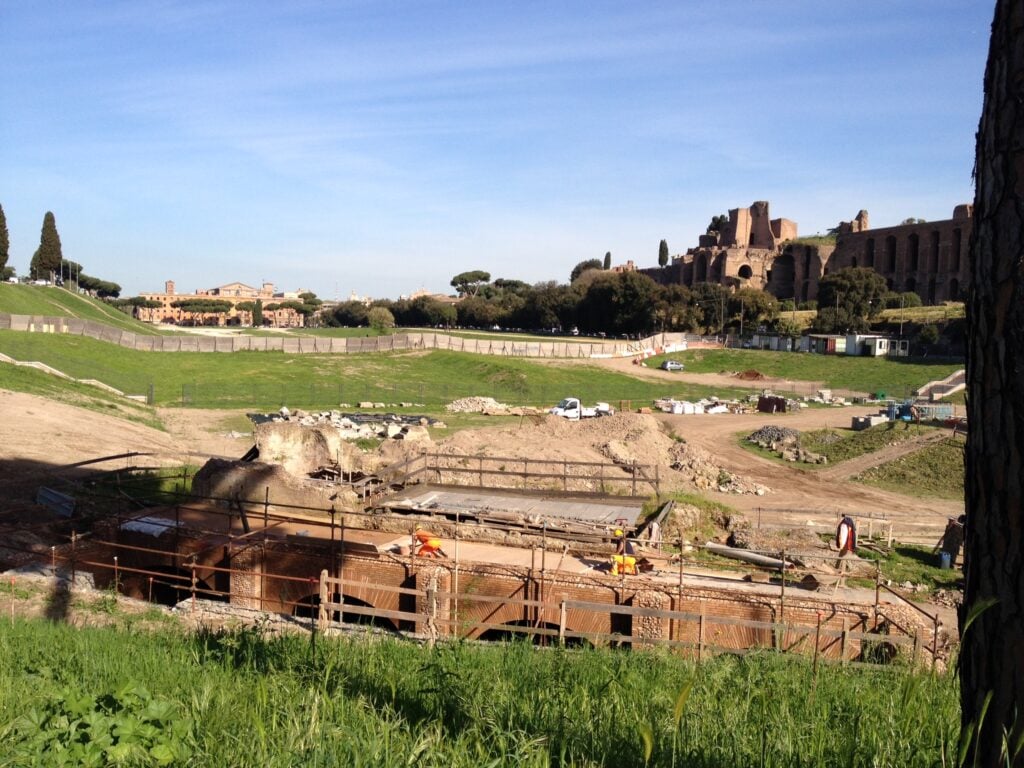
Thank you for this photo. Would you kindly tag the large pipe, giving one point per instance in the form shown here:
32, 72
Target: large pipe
746, 556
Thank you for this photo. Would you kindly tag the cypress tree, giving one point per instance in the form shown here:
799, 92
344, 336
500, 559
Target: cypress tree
663, 254
5, 243
257, 314
47, 257
608, 260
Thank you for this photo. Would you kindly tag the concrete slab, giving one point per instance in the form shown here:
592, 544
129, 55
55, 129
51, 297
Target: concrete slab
489, 502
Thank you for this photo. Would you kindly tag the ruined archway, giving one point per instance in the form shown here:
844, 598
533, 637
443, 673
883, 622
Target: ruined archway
745, 272
700, 268
167, 585
782, 278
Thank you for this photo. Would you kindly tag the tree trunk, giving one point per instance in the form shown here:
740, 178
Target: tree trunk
992, 653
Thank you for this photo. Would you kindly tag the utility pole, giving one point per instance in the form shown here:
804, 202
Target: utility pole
901, 315
741, 319
723, 318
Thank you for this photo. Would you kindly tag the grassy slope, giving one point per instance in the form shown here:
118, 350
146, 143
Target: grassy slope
18, 379
240, 700
936, 471
270, 379
852, 444
57, 302
862, 374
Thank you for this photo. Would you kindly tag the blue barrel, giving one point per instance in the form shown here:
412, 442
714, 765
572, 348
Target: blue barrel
945, 561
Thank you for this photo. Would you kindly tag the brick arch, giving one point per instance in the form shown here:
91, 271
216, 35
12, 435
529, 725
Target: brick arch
171, 584
309, 607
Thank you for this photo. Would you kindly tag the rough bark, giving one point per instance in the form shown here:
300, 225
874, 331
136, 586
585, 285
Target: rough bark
992, 655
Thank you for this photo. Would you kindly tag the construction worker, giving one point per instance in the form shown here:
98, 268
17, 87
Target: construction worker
846, 543
427, 544
624, 560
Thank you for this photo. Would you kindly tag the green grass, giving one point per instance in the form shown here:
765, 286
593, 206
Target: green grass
851, 444
949, 310
861, 374
31, 381
58, 302
271, 379
241, 699
916, 564
936, 471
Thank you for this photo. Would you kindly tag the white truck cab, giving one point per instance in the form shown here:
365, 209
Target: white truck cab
571, 408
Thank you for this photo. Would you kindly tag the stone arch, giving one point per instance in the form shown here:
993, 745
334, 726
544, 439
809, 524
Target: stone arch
805, 290
890, 253
913, 252
745, 272
869, 253
910, 285
933, 251
931, 289
853, 262
958, 241
954, 290
782, 276
700, 268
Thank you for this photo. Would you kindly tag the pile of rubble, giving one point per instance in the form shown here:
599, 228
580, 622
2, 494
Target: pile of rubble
770, 434
785, 443
707, 405
488, 406
355, 426
700, 469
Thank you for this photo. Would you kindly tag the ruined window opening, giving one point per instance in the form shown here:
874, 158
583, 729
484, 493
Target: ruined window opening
869, 253
890, 253
914, 252
957, 243
933, 252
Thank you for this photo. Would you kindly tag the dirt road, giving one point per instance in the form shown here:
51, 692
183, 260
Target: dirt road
802, 495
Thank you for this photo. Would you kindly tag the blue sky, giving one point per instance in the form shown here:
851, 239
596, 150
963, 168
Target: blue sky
381, 147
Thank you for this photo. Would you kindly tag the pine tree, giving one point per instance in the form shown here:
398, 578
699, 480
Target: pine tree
663, 254
5, 243
47, 258
608, 260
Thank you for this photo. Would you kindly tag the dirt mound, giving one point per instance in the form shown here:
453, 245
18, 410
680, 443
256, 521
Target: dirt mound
624, 438
751, 375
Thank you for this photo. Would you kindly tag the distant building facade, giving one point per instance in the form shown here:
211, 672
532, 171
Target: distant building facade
927, 258
236, 293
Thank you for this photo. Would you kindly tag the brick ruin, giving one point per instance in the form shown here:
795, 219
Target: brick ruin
752, 249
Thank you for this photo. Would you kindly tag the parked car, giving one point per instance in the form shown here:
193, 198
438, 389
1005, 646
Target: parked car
671, 365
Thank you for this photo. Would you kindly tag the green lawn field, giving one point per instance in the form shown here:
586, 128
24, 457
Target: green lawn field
58, 302
272, 379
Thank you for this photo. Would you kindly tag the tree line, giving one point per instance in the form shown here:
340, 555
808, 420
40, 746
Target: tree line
600, 301
48, 262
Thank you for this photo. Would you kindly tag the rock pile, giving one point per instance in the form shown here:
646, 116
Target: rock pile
770, 434
355, 426
488, 406
700, 469
786, 443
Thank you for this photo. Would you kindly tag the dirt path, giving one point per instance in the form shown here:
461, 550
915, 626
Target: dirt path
805, 496
627, 366
854, 466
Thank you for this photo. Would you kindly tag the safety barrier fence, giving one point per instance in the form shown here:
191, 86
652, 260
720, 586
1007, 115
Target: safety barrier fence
572, 347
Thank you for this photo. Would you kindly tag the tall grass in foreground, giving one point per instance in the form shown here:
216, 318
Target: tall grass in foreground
241, 699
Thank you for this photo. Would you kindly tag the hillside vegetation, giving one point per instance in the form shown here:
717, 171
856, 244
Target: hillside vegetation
58, 302
935, 471
103, 696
